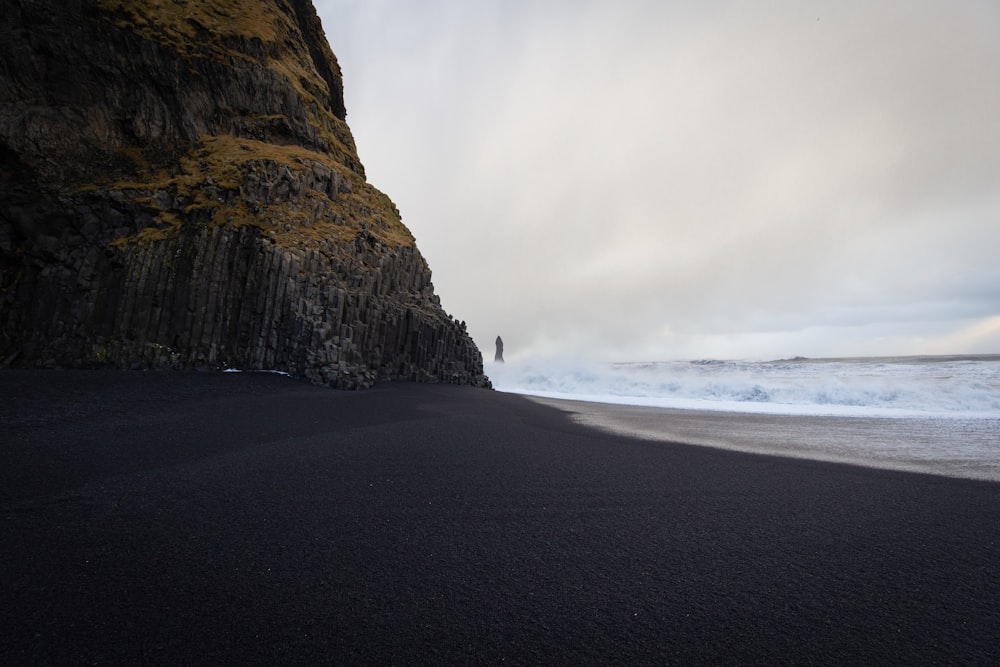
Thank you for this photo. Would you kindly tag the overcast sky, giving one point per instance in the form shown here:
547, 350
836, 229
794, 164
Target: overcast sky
659, 180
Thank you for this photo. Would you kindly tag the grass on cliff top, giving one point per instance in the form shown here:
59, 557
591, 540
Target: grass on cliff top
209, 178
221, 29
177, 22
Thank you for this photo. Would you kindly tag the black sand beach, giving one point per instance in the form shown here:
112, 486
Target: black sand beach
181, 518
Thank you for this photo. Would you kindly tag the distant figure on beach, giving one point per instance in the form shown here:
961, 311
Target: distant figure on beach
499, 355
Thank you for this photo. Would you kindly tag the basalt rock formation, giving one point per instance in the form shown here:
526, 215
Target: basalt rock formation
179, 188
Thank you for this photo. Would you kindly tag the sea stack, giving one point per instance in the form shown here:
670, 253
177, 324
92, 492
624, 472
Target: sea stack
179, 189
499, 355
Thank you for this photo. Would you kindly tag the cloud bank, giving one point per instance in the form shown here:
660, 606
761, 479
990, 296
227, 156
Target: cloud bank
656, 180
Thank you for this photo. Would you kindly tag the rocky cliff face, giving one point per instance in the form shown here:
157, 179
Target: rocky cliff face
178, 188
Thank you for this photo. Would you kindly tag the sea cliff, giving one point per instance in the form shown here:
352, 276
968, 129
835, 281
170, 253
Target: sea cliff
179, 188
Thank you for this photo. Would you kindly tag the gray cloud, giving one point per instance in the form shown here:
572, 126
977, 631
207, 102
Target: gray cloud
660, 180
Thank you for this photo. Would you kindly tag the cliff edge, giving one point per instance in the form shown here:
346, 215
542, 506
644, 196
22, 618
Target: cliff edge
179, 188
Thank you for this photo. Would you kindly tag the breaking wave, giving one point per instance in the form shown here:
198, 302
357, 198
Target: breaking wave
961, 387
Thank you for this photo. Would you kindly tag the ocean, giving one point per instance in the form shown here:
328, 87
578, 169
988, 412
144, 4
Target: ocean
937, 414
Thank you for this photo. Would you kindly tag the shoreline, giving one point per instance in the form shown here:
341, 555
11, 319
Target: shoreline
207, 518
951, 447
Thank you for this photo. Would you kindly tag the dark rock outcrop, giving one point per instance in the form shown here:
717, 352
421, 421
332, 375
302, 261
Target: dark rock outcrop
178, 188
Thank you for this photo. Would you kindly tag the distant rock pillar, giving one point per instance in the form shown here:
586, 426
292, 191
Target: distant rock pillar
499, 355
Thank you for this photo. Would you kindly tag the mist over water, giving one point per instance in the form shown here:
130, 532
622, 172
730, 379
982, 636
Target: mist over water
958, 386
939, 415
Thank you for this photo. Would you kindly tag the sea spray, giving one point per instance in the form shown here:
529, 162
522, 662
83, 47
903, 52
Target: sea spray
954, 386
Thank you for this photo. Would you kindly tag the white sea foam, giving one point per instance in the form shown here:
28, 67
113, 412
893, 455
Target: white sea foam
943, 387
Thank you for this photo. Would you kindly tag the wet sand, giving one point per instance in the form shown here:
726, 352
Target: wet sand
956, 447
176, 518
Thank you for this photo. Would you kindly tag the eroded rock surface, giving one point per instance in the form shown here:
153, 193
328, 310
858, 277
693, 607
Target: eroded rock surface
179, 188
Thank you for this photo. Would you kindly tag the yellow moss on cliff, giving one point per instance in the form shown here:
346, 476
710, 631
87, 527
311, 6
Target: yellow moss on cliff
247, 30
208, 183
179, 22
211, 179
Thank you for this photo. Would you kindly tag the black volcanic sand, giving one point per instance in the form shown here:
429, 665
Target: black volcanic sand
169, 518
